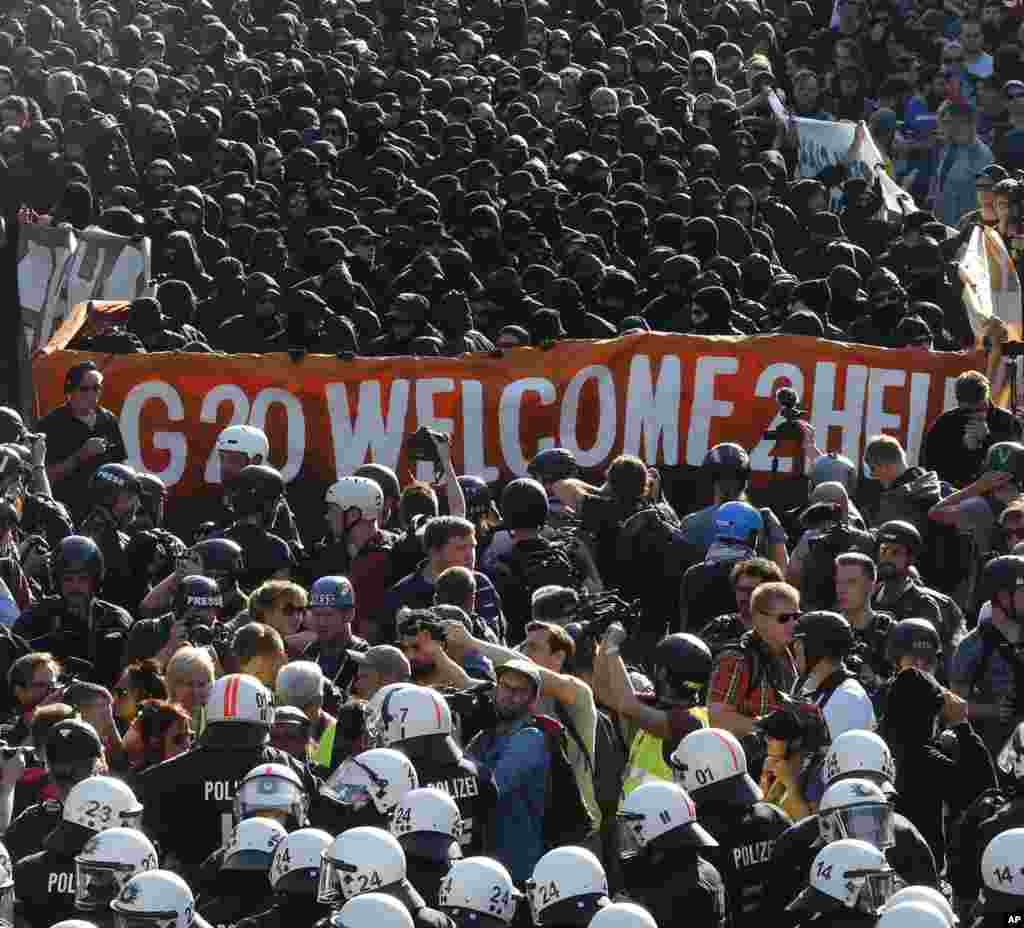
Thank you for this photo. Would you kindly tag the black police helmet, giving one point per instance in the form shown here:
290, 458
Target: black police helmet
824, 634
553, 464
220, 556
900, 533
686, 659
110, 481
384, 477
256, 487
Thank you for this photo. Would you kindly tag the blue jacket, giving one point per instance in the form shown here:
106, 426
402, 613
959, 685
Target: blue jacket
517, 757
955, 194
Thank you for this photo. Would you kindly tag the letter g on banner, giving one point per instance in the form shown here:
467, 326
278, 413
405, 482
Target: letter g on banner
173, 442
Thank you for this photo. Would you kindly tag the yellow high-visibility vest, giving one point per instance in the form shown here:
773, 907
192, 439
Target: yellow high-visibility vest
645, 757
323, 751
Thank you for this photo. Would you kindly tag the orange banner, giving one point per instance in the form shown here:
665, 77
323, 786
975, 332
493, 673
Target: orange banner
665, 397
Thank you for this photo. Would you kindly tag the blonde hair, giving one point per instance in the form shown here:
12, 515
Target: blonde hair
268, 594
186, 661
769, 595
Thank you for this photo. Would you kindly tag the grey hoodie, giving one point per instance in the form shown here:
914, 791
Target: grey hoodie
714, 87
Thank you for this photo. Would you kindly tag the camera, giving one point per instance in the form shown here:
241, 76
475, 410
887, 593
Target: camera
789, 408
30, 754
420, 447
595, 613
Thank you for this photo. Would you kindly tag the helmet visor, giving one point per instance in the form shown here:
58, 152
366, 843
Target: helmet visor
1011, 757
145, 919
879, 885
337, 881
97, 884
355, 795
270, 794
871, 822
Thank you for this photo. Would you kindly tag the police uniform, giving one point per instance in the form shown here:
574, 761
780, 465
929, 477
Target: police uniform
45, 881
668, 884
265, 553
237, 895
290, 911
189, 800
796, 847
746, 836
426, 875
48, 626
26, 833
473, 791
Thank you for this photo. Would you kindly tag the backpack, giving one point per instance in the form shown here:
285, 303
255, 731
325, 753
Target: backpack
608, 765
567, 820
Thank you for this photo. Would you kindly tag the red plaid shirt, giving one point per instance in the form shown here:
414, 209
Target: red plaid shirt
732, 685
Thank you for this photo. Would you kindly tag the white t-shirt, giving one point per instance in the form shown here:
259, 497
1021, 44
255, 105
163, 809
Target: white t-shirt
849, 708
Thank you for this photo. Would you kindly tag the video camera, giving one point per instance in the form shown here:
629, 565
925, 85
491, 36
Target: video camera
789, 408
420, 446
595, 613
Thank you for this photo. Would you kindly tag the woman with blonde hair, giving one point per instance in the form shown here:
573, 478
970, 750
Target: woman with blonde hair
189, 676
283, 605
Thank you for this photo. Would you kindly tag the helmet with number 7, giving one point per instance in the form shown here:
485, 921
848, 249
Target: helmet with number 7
100, 802
239, 698
360, 860
1003, 889
847, 874
478, 886
568, 883
413, 712
273, 791
375, 909
711, 765
107, 862
156, 898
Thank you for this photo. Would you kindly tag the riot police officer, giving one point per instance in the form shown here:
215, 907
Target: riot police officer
366, 789
294, 881
367, 859
106, 863
46, 879
711, 766
77, 623
669, 875
417, 721
568, 887
428, 826
479, 891
190, 798
241, 887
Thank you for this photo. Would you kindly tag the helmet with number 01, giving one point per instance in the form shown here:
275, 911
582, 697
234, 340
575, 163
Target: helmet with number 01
374, 724
360, 860
100, 802
154, 899
478, 886
252, 844
428, 824
360, 493
566, 879
912, 914
108, 861
847, 874
856, 808
239, 697
860, 753
381, 776
247, 440
1003, 889
711, 764
623, 915
274, 791
412, 712
926, 894
372, 909
6, 887
295, 869
658, 807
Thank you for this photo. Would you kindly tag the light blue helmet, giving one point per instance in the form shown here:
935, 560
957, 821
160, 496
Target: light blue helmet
736, 521
333, 592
